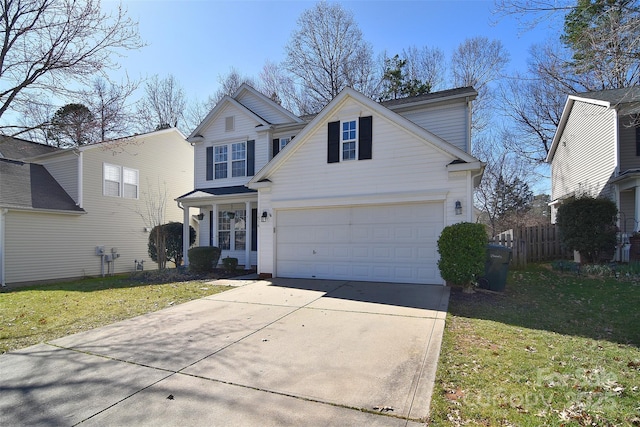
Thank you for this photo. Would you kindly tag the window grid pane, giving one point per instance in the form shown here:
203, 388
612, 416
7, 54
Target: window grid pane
111, 180
238, 151
130, 183
238, 168
349, 151
239, 230
349, 131
284, 142
224, 231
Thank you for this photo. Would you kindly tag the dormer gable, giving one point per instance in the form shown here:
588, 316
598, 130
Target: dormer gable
263, 106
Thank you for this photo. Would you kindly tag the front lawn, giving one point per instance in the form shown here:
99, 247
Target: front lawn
35, 314
554, 349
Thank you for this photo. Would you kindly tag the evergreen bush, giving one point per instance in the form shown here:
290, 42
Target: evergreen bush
463, 251
588, 225
203, 259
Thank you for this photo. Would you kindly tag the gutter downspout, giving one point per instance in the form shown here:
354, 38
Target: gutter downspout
3, 213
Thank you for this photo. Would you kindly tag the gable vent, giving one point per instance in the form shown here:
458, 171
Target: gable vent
229, 123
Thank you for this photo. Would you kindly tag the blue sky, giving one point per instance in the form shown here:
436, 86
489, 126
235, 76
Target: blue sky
199, 40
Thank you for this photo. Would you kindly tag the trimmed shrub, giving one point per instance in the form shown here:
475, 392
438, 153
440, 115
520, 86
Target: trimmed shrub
588, 225
171, 234
203, 259
230, 264
463, 251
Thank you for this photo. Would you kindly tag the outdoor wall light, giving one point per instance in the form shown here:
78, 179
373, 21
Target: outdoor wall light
264, 216
458, 207
200, 216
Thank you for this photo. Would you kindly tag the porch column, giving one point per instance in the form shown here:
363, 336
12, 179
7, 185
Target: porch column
213, 233
247, 235
636, 211
185, 235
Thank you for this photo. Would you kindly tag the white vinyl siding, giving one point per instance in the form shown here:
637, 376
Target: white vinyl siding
404, 169
43, 246
448, 122
215, 135
585, 158
64, 169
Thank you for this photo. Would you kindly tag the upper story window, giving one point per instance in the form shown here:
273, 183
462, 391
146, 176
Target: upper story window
119, 181
349, 140
221, 162
231, 160
238, 159
284, 142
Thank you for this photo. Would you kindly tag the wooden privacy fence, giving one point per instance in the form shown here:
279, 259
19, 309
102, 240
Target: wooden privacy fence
533, 244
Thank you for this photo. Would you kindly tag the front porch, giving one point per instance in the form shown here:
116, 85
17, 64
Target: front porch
227, 218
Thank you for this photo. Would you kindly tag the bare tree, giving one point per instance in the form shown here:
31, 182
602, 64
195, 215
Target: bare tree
46, 44
152, 210
108, 103
327, 53
230, 83
196, 112
427, 65
280, 86
503, 195
478, 62
163, 104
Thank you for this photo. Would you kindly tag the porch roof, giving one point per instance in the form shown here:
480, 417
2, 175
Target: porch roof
204, 194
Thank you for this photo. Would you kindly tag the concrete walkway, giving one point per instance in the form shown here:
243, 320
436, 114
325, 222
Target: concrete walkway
286, 352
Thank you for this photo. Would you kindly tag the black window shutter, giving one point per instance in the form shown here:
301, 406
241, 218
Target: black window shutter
364, 138
333, 143
209, 163
276, 146
251, 157
637, 140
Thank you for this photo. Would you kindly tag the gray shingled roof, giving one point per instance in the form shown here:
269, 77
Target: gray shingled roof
19, 149
626, 100
31, 186
429, 96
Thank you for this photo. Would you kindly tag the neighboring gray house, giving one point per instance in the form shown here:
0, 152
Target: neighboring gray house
361, 191
596, 151
58, 206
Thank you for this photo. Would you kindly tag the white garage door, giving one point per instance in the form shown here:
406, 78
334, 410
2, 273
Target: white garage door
385, 243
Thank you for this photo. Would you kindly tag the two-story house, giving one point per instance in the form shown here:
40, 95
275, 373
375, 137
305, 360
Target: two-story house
87, 211
360, 191
596, 151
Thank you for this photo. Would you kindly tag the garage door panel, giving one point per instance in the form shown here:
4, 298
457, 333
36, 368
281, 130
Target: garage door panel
394, 243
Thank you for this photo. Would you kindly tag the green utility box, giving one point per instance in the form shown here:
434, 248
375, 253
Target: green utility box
496, 268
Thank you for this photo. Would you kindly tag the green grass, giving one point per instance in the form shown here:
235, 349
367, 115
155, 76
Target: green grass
555, 349
35, 314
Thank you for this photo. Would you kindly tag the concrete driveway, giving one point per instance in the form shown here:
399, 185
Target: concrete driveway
286, 352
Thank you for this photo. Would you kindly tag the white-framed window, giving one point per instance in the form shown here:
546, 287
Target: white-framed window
111, 180
130, 183
120, 181
348, 140
220, 161
232, 234
238, 159
284, 142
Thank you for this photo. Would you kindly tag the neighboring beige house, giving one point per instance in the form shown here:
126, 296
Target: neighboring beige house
361, 191
596, 151
86, 211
